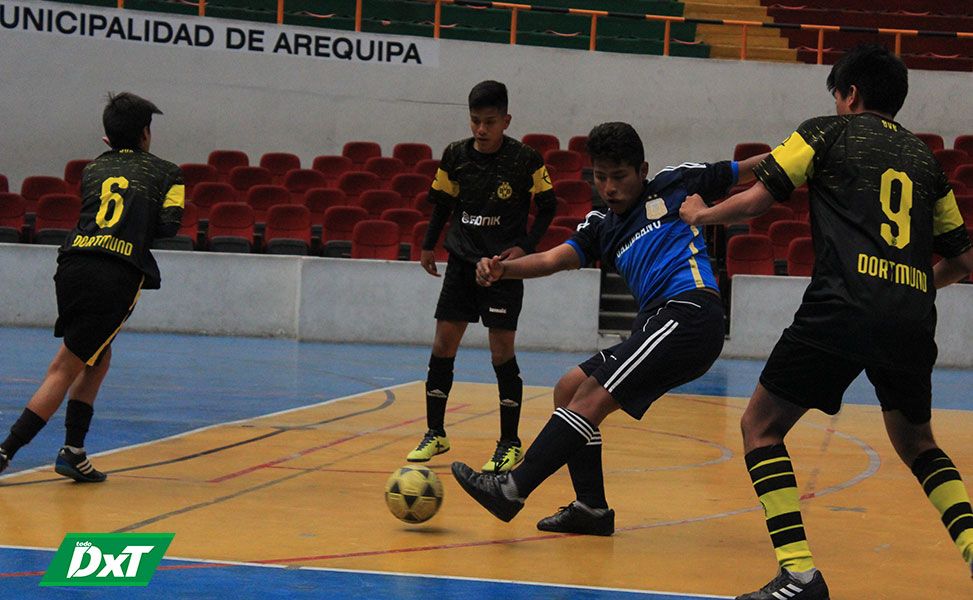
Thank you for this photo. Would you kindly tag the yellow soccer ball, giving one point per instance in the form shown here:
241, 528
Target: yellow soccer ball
413, 494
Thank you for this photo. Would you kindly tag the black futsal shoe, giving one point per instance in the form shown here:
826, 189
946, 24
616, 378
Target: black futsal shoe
578, 518
487, 489
787, 586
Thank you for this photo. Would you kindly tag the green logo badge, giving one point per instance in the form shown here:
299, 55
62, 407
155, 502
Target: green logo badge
107, 559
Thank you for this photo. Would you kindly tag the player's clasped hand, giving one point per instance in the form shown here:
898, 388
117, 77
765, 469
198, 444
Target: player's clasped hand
489, 270
691, 208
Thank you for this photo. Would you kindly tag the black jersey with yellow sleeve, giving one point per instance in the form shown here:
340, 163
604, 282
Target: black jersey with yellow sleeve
489, 197
129, 198
880, 206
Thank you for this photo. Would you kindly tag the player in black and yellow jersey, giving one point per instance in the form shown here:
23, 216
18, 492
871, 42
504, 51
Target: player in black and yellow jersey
880, 207
483, 188
130, 197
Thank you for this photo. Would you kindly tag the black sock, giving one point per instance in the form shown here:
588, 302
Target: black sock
22, 432
586, 474
439, 381
76, 423
562, 437
511, 388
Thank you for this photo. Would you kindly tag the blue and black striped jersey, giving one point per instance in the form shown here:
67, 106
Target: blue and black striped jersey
657, 253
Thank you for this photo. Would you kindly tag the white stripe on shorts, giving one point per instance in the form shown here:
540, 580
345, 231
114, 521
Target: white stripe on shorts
639, 355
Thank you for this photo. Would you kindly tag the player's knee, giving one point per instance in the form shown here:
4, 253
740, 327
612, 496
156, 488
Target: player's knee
564, 390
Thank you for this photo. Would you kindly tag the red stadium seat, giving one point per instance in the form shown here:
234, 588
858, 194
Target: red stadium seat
13, 211
781, 233
800, 204
57, 215
951, 159
579, 144
332, 167
353, 183
230, 227
4, 184
933, 140
378, 201
964, 143
288, 230
749, 254
386, 167
958, 186
410, 185
419, 234
964, 174
553, 237
72, 174
745, 150
244, 178
577, 193
542, 142
567, 221
800, 257
411, 153
359, 152
422, 204
185, 238
428, 167
299, 181
406, 219
375, 239
279, 163
318, 200
226, 160
338, 224
777, 212
196, 173
35, 186
563, 164
209, 193
965, 204
262, 197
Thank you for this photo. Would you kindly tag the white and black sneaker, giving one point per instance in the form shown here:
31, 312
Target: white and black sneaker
787, 587
77, 467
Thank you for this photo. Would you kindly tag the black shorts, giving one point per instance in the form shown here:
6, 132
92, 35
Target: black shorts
673, 342
812, 377
95, 295
462, 299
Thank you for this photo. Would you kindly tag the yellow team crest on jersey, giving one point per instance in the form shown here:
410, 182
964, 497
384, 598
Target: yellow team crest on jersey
505, 191
655, 209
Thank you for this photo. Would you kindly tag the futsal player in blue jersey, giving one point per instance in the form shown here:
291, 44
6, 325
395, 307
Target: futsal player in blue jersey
676, 337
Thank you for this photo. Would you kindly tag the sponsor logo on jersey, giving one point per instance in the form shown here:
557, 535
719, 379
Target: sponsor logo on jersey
479, 220
644, 231
499, 311
504, 191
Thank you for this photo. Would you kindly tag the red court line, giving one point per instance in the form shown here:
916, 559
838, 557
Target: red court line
313, 449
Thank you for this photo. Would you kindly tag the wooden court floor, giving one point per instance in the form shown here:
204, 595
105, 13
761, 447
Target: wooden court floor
304, 488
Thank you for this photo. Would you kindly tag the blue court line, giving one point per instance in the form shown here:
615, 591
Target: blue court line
196, 579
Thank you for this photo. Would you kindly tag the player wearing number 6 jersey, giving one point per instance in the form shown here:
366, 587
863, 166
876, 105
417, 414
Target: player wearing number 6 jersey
880, 207
130, 197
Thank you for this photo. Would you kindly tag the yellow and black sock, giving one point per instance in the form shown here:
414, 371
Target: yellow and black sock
941, 481
773, 479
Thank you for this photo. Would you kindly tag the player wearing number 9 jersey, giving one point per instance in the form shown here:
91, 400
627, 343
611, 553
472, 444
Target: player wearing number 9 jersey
880, 206
130, 198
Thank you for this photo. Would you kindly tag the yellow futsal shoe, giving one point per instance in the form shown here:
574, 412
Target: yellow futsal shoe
508, 454
432, 444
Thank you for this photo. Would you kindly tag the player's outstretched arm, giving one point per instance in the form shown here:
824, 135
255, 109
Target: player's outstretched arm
560, 258
750, 203
951, 270
746, 166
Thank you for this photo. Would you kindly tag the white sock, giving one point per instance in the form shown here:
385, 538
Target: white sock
803, 576
595, 512
509, 489
76, 451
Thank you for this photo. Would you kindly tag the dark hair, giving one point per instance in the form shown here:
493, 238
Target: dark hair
489, 94
125, 116
616, 142
880, 76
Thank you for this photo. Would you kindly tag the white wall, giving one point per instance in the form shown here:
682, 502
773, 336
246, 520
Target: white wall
684, 108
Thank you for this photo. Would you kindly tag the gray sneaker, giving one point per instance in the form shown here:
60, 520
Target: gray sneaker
787, 586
